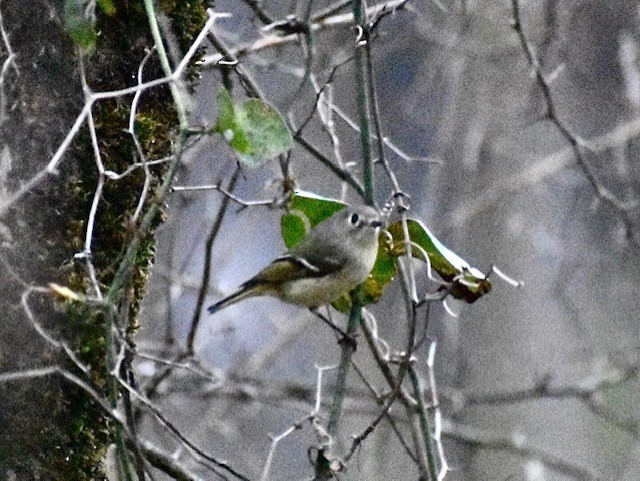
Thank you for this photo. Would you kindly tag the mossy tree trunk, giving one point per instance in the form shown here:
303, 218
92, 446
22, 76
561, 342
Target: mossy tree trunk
50, 429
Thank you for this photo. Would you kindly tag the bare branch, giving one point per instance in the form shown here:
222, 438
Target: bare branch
623, 209
516, 443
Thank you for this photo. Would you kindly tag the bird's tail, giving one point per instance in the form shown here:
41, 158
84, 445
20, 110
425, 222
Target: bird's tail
229, 300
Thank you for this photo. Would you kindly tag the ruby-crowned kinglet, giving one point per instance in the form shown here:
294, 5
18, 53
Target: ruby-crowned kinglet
336, 256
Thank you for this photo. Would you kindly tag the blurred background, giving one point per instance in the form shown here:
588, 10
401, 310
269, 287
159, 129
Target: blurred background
534, 382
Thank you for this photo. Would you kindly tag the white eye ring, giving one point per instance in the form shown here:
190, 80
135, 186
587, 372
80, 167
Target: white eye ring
354, 218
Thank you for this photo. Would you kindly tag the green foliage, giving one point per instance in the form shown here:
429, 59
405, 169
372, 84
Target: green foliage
466, 282
305, 211
80, 21
187, 18
81, 461
65, 447
107, 7
254, 129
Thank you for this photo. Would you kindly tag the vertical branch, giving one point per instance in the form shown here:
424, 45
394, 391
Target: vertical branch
348, 349
407, 283
124, 269
367, 104
9, 62
425, 425
164, 61
437, 432
215, 229
363, 100
410, 404
422, 439
355, 314
323, 467
115, 291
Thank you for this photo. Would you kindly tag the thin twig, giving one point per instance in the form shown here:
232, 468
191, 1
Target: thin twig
274, 41
437, 413
330, 10
176, 432
385, 140
256, 6
383, 364
517, 443
52, 166
227, 193
357, 440
8, 63
425, 423
83, 385
165, 462
297, 425
86, 254
342, 173
229, 59
603, 193
61, 345
208, 253
136, 141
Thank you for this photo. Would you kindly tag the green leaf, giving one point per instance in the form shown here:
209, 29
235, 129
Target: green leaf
468, 283
254, 129
384, 270
107, 7
79, 21
293, 229
225, 112
304, 212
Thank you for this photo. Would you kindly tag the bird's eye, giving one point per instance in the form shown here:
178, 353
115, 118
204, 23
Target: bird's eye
354, 218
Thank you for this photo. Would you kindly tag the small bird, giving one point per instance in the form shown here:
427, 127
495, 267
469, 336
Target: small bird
336, 256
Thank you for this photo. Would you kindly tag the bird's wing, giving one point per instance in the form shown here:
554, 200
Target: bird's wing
291, 267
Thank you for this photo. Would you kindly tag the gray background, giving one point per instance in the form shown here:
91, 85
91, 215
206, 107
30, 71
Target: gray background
454, 85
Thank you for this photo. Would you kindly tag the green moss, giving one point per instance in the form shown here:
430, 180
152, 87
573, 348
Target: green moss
71, 439
79, 435
188, 17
